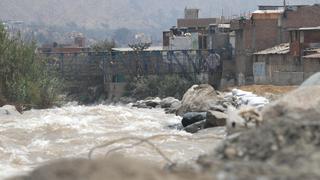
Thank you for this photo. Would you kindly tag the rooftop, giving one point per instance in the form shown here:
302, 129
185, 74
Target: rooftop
312, 53
309, 28
277, 11
201, 22
279, 49
313, 56
305, 29
154, 48
223, 25
267, 14
274, 7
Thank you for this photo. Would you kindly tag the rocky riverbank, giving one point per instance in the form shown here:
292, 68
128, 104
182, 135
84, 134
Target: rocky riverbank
284, 146
266, 140
203, 107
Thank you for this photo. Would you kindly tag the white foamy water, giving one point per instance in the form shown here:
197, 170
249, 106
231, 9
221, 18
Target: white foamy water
38, 136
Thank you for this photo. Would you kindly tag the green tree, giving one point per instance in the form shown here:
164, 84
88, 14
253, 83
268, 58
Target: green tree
25, 78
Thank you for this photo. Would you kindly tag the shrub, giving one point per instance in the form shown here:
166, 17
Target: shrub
25, 77
152, 86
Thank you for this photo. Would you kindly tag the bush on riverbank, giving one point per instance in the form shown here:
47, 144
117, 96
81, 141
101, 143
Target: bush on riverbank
24, 77
158, 86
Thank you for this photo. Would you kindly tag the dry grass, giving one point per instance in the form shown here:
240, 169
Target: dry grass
264, 89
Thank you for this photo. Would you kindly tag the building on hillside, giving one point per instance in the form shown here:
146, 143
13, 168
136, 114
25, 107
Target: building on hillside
77, 46
266, 28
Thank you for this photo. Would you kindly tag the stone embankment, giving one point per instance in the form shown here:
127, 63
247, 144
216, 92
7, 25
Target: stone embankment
203, 107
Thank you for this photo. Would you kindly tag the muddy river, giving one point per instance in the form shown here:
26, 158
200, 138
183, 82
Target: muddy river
38, 136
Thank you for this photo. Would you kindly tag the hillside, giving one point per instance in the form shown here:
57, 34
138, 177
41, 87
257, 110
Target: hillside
142, 14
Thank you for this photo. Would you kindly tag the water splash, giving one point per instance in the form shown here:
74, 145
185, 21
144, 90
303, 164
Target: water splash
37, 136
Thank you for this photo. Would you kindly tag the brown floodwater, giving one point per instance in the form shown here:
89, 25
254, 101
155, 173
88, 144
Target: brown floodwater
38, 136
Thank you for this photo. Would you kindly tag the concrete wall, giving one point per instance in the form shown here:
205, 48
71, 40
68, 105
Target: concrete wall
180, 43
311, 66
287, 78
283, 69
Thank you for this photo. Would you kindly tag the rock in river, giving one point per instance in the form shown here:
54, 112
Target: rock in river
194, 128
168, 102
193, 117
199, 98
148, 103
215, 118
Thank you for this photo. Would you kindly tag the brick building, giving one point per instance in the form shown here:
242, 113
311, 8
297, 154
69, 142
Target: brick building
289, 63
304, 38
266, 28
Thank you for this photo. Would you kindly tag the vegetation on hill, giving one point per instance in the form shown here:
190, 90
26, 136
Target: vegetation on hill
103, 46
25, 78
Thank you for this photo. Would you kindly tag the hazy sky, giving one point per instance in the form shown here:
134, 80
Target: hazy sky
122, 13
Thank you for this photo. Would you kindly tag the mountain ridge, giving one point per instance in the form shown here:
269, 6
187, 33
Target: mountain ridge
122, 13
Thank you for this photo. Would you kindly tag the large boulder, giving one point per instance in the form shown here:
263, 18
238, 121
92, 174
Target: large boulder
193, 117
215, 119
299, 104
199, 98
302, 103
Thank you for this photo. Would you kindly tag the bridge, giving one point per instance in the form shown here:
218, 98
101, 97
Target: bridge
111, 70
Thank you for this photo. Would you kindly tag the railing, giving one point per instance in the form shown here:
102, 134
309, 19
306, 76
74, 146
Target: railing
106, 65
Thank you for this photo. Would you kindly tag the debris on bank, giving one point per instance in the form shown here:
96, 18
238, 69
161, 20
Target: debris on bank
243, 98
285, 146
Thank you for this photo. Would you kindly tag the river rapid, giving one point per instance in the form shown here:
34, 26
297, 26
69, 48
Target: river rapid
38, 136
